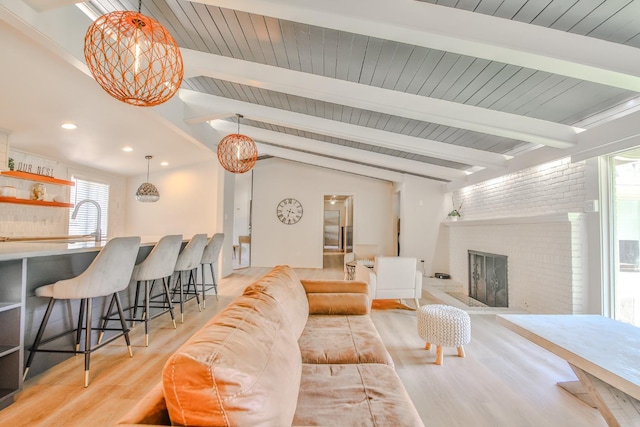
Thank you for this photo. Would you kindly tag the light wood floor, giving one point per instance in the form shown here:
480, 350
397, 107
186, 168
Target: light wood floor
505, 380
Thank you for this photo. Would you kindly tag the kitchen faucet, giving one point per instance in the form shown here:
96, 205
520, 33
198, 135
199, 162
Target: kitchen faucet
98, 232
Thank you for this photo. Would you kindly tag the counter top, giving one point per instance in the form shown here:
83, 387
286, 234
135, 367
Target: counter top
18, 250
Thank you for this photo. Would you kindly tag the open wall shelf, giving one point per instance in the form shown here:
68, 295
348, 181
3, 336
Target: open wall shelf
36, 177
34, 202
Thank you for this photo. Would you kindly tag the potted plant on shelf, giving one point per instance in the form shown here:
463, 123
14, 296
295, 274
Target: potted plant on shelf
455, 213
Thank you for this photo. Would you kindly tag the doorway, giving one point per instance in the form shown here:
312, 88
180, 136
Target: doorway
337, 229
242, 203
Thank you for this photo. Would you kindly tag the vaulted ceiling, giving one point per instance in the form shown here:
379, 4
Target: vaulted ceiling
455, 91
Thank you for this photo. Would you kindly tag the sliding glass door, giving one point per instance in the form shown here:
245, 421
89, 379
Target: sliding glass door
625, 241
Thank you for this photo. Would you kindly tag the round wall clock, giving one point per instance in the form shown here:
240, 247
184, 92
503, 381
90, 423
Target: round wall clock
289, 211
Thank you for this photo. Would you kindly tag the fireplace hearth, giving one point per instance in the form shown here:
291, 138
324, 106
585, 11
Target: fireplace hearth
488, 278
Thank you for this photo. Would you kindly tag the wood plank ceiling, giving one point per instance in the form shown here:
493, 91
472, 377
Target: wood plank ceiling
367, 60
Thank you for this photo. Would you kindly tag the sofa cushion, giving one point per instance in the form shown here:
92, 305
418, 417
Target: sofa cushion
242, 368
342, 339
369, 394
337, 296
283, 285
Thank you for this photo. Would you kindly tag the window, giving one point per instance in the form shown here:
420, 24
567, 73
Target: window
87, 216
625, 239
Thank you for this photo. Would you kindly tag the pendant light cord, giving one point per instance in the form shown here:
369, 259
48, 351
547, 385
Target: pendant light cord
148, 161
139, 6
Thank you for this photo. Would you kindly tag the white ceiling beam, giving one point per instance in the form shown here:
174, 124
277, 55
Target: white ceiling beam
613, 136
326, 162
465, 33
381, 100
204, 107
61, 31
42, 5
339, 151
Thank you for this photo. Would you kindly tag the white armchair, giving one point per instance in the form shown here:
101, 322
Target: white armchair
392, 278
360, 252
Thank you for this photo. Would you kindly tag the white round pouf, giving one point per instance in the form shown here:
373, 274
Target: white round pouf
444, 325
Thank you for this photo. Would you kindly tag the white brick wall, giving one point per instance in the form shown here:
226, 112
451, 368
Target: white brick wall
555, 187
545, 252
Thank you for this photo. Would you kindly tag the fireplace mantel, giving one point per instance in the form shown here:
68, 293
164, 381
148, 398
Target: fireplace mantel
532, 219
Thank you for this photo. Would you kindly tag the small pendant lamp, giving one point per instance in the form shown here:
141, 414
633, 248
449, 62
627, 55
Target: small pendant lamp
237, 153
134, 58
147, 192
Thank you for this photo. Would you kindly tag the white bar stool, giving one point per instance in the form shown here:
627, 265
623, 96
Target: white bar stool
159, 264
108, 274
188, 260
210, 256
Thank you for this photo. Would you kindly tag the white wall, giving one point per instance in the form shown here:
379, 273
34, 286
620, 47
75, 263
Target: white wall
188, 202
192, 201
300, 245
422, 209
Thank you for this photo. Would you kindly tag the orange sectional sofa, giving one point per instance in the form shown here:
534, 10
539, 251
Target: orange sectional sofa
283, 353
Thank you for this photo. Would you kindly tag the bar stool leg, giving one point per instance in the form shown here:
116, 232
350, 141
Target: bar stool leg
215, 284
181, 298
146, 311
87, 341
105, 321
36, 343
193, 275
204, 301
123, 322
79, 329
135, 304
167, 297
439, 355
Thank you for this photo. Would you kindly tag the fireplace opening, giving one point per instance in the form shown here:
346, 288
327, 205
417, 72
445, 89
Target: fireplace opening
488, 278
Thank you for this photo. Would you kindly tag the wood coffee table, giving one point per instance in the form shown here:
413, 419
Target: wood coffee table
603, 353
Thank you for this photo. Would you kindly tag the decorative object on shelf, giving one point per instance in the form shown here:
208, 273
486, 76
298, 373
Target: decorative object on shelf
134, 58
147, 192
38, 191
237, 153
12, 164
289, 211
455, 213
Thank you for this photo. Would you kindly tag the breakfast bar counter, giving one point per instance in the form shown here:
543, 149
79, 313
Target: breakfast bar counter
25, 266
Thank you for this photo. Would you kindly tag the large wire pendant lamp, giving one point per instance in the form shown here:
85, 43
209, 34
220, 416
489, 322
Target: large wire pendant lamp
237, 153
134, 58
147, 192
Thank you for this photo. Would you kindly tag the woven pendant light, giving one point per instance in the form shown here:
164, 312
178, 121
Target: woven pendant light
147, 192
134, 58
237, 153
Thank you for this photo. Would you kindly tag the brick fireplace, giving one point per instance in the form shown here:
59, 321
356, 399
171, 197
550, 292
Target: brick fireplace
546, 256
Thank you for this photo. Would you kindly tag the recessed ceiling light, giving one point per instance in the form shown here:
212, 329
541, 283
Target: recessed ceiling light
69, 126
127, 149
164, 164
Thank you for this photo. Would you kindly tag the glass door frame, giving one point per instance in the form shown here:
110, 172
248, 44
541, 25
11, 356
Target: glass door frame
608, 237
611, 267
